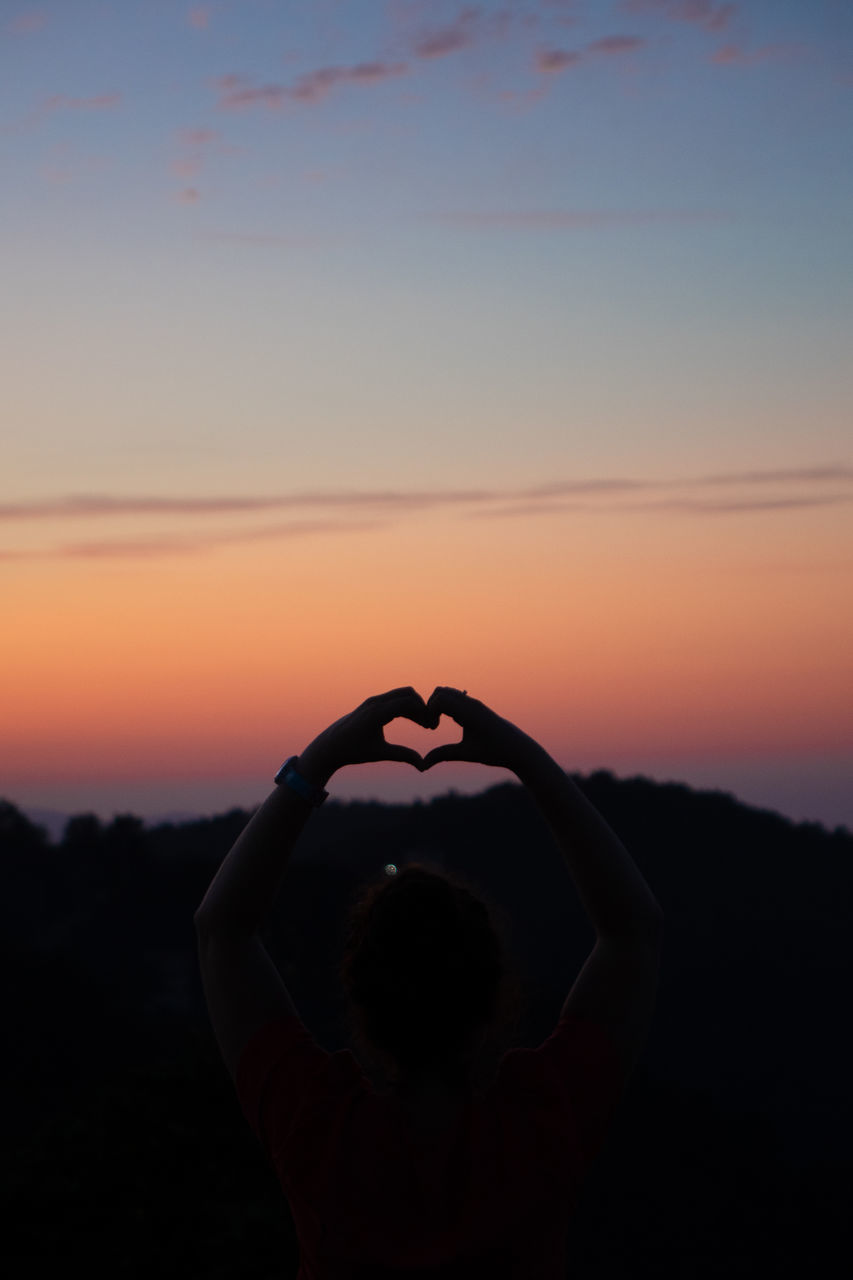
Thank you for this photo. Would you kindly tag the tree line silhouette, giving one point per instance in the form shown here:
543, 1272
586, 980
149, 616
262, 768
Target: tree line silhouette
125, 1148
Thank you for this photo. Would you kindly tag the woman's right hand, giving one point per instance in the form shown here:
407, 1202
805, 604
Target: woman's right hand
486, 737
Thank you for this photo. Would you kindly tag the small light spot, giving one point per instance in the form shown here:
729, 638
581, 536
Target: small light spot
390, 869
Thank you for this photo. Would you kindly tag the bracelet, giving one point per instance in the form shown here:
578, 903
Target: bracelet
314, 795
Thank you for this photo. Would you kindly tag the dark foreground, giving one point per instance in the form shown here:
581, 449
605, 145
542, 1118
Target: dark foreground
126, 1154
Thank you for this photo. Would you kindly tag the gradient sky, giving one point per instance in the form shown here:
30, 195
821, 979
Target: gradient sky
349, 345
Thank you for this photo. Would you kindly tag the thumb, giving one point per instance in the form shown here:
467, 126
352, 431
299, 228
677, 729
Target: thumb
393, 751
450, 751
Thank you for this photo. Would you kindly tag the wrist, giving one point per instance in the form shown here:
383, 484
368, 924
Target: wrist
314, 765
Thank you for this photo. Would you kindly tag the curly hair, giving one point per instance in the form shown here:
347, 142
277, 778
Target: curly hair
426, 972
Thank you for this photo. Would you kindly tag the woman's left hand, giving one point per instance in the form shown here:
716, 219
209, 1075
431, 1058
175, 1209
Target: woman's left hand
357, 738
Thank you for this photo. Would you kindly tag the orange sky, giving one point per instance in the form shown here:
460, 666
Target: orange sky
607, 635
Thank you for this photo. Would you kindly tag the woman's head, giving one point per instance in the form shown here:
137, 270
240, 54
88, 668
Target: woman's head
426, 975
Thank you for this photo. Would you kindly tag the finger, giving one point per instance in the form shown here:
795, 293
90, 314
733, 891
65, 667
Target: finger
450, 751
448, 701
378, 700
404, 754
409, 704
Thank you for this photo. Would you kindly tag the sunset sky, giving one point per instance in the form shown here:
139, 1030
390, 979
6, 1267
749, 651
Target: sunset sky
355, 345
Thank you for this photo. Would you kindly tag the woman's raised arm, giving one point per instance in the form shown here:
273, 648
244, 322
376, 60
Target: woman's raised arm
617, 986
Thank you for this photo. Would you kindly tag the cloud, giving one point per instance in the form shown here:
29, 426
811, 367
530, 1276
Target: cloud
423, 32
189, 195
620, 494
186, 166
310, 88
550, 60
684, 506
315, 85
734, 55
586, 487
239, 95
26, 24
837, 475
199, 137
739, 506
88, 506
195, 147
798, 475
709, 14
515, 510
616, 44
570, 219
199, 17
459, 34
765, 492
179, 544
100, 102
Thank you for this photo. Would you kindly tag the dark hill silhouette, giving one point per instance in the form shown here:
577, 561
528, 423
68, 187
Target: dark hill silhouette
731, 1155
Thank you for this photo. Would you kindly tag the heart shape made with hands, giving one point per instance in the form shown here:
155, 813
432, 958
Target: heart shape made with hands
407, 733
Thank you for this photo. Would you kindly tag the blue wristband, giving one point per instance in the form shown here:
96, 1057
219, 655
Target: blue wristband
307, 790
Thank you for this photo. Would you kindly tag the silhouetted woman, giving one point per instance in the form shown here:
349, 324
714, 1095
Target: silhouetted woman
443, 1163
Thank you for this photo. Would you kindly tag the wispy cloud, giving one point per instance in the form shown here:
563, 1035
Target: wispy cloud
421, 34
327, 512
236, 93
736, 506
187, 544
195, 147
735, 55
25, 24
199, 137
616, 44
798, 475
691, 506
553, 61
588, 488
421, 31
99, 102
186, 166
798, 489
556, 60
689, 495
199, 17
709, 14
88, 506
114, 505
58, 103
313, 87
456, 35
